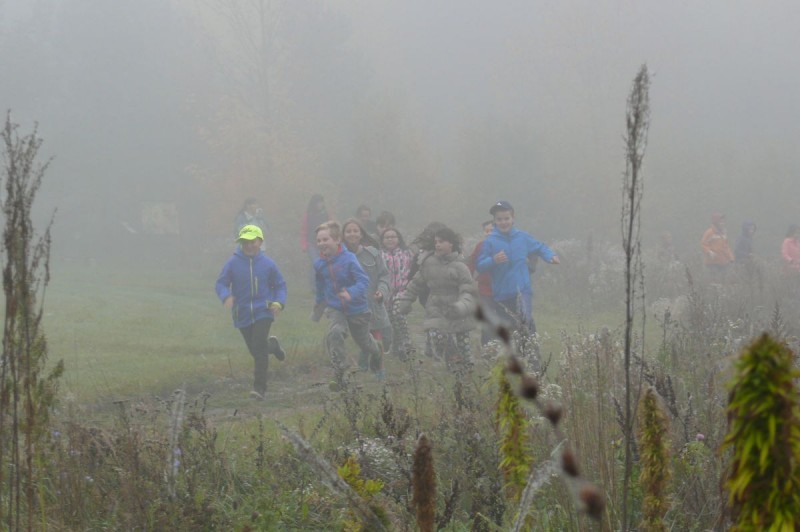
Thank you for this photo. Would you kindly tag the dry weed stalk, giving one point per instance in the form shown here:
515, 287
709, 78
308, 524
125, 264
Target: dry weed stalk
329, 476
590, 497
424, 485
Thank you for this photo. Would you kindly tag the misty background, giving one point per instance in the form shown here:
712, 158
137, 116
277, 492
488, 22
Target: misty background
431, 110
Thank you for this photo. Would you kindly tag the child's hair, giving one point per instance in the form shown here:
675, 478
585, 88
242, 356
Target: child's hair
400, 242
487, 223
366, 240
424, 240
333, 228
362, 208
316, 198
385, 219
448, 235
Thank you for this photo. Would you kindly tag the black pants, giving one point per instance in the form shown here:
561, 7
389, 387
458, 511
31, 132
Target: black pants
256, 337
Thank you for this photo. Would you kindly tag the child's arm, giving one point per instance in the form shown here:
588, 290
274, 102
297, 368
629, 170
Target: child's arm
358, 280
278, 286
467, 292
538, 248
485, 261
223, 284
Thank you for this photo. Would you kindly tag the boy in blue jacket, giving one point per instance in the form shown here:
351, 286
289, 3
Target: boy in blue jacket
252, 287
342, 285
505, 255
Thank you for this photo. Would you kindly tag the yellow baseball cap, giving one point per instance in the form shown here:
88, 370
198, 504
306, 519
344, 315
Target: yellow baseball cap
250, 232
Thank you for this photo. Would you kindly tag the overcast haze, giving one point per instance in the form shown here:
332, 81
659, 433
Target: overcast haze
432, 110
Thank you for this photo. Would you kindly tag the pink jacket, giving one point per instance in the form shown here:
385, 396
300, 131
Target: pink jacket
790, 251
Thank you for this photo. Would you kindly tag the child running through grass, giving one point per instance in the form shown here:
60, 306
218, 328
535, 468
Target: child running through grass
341, 286
451, 300
398, 259
252, 287
366, 251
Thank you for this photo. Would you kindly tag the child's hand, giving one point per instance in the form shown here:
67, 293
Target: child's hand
555, 260
378, 296
344, 295
500, 258
228, 302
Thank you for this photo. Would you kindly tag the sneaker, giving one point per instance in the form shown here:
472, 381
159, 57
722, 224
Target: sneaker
380, 375
257, 396
274, 346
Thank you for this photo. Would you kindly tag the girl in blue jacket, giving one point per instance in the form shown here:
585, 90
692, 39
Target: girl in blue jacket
252, 287
342, 288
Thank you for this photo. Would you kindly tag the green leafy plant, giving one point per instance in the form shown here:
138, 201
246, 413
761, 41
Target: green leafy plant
654, 461
764, 434
515, 447
350, 472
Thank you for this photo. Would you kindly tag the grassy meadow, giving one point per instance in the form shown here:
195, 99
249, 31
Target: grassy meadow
127, 450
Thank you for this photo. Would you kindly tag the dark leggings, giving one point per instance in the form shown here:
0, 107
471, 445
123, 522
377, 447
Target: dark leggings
256, 337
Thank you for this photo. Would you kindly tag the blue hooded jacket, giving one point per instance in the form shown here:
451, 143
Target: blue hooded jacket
342, 271
254, 283
512, 277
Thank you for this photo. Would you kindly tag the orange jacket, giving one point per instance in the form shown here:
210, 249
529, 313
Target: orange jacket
716, 249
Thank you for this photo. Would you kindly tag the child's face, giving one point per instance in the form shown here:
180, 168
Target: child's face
251, 247
326, 245
487, 229
352, 236
503, 220
442, 247
390, 240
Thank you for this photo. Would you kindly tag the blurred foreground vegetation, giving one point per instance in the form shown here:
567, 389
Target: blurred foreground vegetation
153, 427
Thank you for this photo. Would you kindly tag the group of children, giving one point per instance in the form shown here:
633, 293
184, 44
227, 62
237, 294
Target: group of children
718, 255
366, 280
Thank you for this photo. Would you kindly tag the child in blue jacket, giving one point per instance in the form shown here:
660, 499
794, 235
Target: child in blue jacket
342, 288
505, 255
252, 287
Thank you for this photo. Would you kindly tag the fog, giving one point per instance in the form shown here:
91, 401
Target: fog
430, 110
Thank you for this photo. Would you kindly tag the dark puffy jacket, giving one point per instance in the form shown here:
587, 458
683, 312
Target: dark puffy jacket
373, 264
254, 283
452, 293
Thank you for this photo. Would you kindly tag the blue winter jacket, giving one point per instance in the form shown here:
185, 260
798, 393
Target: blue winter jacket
254, 283
511, 277
342, 271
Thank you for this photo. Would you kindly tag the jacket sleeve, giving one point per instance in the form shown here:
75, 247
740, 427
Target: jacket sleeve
407, 297
538, 248
705, 243
384, 279
224, 281
319, 281
358, 283
467, 291
485, 260
278, 286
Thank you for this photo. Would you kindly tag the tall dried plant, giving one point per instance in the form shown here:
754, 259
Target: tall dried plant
424, 485
26, 391
654, 461
637, 126
763, 481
